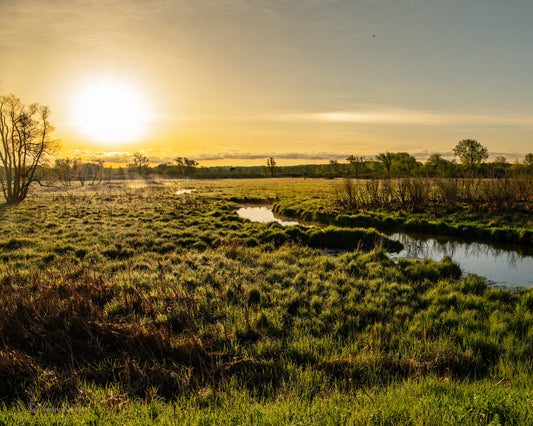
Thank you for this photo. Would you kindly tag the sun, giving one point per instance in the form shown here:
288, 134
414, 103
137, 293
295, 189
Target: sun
111, 111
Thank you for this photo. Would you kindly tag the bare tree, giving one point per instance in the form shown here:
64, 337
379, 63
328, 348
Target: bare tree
24, 132
140, 162
98, 172
63, 169
271, 166
80, 170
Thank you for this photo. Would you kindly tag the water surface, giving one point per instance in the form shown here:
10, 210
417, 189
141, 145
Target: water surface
184, 191
510, 267
502, 266
262, 214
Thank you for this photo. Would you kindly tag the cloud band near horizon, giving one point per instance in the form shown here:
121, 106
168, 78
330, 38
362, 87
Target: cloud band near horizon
125, 157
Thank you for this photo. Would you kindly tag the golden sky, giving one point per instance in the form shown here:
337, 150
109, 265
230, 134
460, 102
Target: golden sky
235, 81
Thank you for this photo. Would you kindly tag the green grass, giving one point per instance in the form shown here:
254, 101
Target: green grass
135, 305
423, 401
471, 220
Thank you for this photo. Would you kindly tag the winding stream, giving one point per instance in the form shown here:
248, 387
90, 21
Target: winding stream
510, 267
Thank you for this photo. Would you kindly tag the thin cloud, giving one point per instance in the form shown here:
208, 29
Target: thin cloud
125, 157
94, 22
408, 117
277, 155
120, 157
97, 21
116, 157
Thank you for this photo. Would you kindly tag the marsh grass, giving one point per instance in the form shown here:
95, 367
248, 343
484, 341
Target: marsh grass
497, 210
139, 305
417, 194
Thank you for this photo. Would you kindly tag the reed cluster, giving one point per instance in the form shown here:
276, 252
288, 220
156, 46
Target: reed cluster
418, 194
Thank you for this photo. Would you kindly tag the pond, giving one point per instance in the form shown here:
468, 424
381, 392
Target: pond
509, 267
184, 191
264, 215
506, 266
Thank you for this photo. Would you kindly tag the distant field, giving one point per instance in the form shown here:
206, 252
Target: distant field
137, 302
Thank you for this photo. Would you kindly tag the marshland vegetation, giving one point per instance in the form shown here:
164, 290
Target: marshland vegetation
133, 303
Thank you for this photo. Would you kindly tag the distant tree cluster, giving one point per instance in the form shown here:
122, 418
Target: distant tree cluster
67, 170
471, 155
186, 166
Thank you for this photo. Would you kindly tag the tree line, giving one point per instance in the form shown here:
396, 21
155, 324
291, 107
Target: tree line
469, 161
25, 143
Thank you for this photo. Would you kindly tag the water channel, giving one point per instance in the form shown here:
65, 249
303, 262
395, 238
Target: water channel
506, 266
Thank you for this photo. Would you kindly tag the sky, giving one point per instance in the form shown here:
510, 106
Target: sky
236, 81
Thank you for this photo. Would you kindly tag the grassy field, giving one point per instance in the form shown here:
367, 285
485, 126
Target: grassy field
129, 303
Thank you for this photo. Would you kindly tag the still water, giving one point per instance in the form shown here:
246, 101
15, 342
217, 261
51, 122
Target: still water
263, 215
502, 266
510, 267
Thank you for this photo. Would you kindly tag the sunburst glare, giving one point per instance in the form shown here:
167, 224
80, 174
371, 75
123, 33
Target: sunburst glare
111, 111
